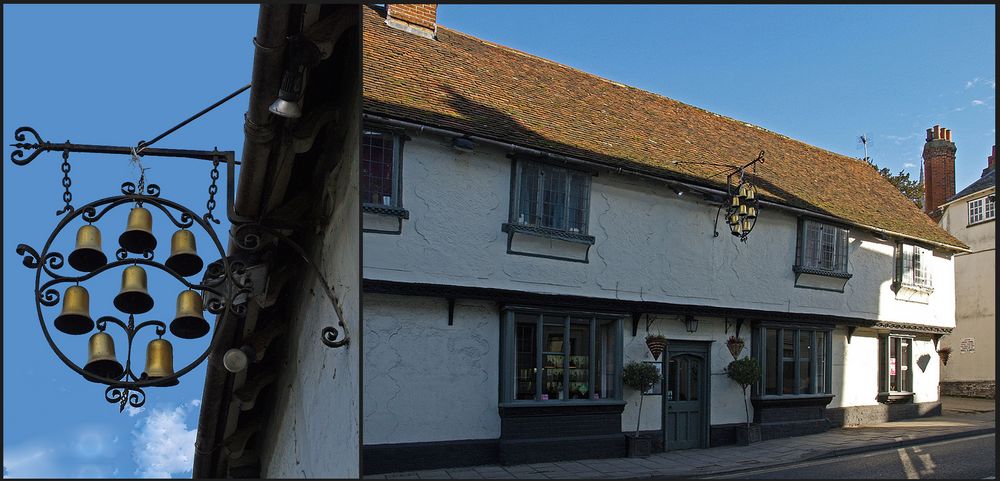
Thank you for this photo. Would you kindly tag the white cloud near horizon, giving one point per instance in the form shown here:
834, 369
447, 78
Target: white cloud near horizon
909, 165
991, 83
977, 102
83, 455
162, 444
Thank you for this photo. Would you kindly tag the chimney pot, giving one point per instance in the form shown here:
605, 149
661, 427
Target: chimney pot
416, 18
930, 135
937, 131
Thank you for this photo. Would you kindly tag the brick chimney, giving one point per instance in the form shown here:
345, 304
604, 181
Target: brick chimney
939, 168
989, 161
416, 18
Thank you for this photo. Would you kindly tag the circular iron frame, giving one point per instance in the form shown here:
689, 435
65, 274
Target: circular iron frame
128, 387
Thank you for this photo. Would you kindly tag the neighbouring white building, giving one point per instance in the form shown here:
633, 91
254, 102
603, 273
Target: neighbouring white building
970, 215
526, 225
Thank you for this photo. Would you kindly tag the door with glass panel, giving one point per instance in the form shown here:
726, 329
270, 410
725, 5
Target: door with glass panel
685, 400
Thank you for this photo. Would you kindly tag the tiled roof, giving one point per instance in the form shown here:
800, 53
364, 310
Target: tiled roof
463, 83
989, 179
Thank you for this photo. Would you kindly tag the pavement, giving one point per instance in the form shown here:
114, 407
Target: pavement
962, 417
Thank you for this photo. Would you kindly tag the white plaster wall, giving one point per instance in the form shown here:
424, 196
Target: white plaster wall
854, 369
425, 380
651, 244
925, 380
314, 431
975, 296
726, 396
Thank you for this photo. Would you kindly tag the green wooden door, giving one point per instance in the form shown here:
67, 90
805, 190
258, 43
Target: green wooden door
686, 381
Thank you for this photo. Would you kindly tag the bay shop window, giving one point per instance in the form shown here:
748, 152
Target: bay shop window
553, 356
795, 360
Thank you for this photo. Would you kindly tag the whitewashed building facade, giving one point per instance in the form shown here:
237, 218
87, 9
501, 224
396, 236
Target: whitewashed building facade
509, 207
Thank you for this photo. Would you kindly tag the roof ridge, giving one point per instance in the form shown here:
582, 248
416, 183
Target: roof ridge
644, 91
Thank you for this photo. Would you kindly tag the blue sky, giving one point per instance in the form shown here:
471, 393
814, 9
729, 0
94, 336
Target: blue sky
821, 74
119, 74
108, 75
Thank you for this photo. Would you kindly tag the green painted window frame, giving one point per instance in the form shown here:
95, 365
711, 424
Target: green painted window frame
508, 356
759, 351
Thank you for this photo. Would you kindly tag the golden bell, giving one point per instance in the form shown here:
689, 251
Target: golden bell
160, 361
736, 201
751, 192
75, 316
189, 322
734, 219
87, 255
134, 298
743, 211
744, 191
101, 361
746, 225
138, 236
735, 228
183, 256
751, 213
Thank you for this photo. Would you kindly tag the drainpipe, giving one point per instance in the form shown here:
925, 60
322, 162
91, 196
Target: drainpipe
272, 26
421, 128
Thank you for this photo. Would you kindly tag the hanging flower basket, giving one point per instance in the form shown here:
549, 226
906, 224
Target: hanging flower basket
656, 344
944, 352
735, 345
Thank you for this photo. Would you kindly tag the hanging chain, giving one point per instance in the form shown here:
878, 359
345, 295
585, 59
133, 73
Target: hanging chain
66, 182
212, 190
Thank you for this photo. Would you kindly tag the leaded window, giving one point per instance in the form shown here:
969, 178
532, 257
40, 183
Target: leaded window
551, 197
794, 360
914, 265
555, 356
823, 247
380, 154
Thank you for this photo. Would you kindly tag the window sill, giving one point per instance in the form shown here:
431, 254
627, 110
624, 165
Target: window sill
386, 210
820, 279
984, 221
799, 269
548, 232
787, 400
915, 287
895, 397
544, 242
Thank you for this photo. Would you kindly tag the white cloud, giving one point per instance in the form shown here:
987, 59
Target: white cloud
133, 412
977, 102
899, 139
991, 83
34, 460
162, 443
84, 454
909, 165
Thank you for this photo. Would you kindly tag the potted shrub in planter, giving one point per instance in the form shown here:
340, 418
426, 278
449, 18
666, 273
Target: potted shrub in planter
945, 353
656, 344
640, 376
735, 345
745, 372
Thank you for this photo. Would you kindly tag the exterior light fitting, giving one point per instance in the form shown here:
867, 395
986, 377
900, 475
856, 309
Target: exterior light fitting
690, 323
302, 54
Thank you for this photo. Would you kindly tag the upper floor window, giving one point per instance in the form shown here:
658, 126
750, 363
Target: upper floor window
380, 159
823, 247
551, 197
913, 265
982, 209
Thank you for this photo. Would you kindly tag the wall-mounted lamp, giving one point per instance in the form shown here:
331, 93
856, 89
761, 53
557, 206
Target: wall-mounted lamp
302, 54
690, 323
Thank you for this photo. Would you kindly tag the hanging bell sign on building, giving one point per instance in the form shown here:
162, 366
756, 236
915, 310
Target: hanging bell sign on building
160, 361
75, 316
138, 236
87, 256
133, 298
183, 254
189, 322
101, 360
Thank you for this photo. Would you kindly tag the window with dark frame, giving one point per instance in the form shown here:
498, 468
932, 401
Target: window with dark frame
551, 197
895, 364
794, 360
823, 247
380, 154
559, 357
